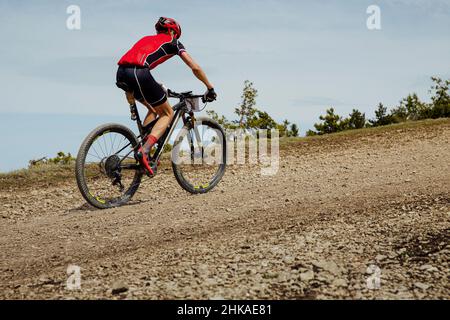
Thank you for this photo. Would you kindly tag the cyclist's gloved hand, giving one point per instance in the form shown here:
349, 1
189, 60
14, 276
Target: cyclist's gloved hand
210, 95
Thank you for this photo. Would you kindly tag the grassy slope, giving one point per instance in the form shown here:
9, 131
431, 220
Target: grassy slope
358, 133
40, 176
46, 175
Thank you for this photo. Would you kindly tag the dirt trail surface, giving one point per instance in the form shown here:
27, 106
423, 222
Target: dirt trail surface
343, 212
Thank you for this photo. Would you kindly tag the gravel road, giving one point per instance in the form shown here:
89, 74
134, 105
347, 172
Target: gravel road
347, 216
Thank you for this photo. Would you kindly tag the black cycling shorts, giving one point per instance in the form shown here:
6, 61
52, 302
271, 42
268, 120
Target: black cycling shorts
144, 86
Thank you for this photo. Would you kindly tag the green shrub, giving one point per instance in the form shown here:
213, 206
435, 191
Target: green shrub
61, 159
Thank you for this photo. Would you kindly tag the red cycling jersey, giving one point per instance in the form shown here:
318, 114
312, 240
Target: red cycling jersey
151, 51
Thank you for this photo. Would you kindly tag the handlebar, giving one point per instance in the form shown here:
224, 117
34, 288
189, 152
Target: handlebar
183, 95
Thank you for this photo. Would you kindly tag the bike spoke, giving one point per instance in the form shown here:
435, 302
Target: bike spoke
104, 143
110, 169
195, 145
95, 156
96, 152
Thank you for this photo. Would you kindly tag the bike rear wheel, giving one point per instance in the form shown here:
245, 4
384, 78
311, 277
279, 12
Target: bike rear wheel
199, 156
107, 173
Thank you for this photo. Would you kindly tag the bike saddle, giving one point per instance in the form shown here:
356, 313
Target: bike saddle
124, 86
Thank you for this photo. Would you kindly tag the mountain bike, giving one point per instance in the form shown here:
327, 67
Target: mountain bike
108, 168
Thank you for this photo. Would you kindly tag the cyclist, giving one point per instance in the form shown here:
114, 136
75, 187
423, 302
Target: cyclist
134, 70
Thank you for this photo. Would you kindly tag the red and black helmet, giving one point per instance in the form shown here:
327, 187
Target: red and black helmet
167, 24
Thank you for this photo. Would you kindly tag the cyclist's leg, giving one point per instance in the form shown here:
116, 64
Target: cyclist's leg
151, 94
151, 114
165, 113
148, 92
144, 87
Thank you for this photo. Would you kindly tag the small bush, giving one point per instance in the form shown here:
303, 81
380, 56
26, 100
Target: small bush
61, 159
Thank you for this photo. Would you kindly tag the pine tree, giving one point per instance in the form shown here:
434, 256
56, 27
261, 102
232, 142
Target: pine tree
413, 106
441, 98
382, 118
356, 120
331, 123
246, 109
294, 130
285, 129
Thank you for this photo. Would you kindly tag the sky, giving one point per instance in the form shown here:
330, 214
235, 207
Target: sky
302, 56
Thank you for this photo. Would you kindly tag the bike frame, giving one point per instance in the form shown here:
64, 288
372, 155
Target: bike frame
180, 110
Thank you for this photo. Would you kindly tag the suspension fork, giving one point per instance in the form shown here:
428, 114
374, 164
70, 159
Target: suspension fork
196, 134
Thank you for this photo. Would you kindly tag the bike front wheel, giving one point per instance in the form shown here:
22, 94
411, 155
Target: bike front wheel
107, 173
199, 155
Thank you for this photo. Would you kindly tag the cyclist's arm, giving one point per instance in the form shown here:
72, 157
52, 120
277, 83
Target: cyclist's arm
196, 69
